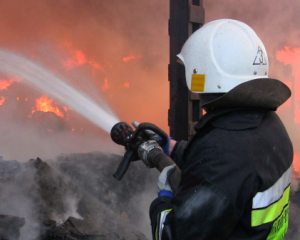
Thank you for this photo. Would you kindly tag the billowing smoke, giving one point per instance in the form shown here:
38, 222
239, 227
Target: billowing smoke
275, 22
112, 42
117, 50
103, 51
129, 42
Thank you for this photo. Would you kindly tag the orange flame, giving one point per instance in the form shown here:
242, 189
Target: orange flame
77, 57
2, 100
296, 163
45, 104
291, 56
126, 59
288, 55
5, 83
96, 65
76, 60
126, 85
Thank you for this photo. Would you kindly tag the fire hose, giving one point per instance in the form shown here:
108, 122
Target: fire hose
124, 135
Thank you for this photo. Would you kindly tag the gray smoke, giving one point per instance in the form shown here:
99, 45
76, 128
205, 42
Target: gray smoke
276, 22
106, 31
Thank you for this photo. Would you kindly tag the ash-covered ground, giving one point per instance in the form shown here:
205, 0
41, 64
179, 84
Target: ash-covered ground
76, 197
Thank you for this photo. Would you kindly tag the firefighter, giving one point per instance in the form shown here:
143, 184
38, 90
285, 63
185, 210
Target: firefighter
236, 170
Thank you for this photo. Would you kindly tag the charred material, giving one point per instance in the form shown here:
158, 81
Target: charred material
75, 197
10, 226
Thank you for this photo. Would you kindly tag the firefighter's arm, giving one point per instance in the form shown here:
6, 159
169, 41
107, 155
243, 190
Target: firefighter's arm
199, 209
153, 156
175, 149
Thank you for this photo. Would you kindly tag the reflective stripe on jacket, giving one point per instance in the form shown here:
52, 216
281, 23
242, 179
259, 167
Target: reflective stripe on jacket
236, 173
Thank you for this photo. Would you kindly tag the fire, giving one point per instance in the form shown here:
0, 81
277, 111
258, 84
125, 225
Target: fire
296, 163
291, 56
126, 59
2, 100
288, 55
77, 57
126, 85
5, 83
45, 104
97, 66
76, 60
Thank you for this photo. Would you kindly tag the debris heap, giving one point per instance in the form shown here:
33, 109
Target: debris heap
74, 197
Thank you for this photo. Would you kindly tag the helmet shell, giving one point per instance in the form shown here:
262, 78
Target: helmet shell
221, 55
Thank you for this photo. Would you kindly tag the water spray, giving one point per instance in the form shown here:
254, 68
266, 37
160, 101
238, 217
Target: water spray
42, 79
121, 133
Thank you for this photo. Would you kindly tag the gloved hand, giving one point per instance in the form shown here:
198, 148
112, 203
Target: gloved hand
163, 181
145, 148
153, 136
166, 147
150, 135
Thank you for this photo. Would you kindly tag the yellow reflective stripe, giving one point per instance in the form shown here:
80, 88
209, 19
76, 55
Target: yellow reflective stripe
167, 210
280, 226
158, 230
269, 214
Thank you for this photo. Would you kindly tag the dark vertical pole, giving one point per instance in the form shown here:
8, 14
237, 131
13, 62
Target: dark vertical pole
186, 16
178, 32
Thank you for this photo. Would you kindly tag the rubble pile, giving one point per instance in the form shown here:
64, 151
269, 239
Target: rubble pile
9, 227
74, 197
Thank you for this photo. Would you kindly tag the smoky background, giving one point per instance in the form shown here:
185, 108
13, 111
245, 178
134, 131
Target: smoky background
118, 53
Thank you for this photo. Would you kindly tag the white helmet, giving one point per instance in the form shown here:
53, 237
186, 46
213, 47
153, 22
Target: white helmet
221, 55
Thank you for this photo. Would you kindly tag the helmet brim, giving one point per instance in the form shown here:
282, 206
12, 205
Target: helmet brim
259, 93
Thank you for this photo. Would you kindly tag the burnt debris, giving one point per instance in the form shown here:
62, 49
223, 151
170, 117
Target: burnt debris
74, 197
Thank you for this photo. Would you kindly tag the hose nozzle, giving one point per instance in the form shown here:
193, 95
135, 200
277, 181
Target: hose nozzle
120, 132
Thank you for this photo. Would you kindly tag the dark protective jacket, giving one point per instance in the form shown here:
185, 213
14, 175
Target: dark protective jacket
235, 182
